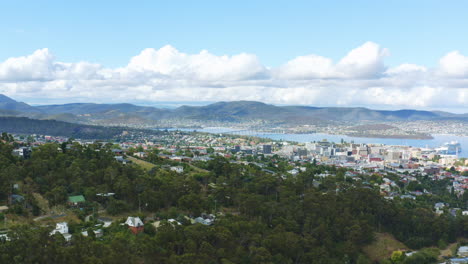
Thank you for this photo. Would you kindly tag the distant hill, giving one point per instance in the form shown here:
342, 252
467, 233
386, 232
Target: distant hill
23, 125
232, 111
88, 108
236, 111
6, 103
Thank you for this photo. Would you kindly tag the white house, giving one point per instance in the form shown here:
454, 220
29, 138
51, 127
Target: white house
3, 208
463, 251
174, 222
203, 221
135, 224
178, 169
62, 228
140, 154
4, 236
134, 221
97, 233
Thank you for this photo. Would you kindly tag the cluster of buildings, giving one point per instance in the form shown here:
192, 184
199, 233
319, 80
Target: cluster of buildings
134, 223
405, 161
62, 228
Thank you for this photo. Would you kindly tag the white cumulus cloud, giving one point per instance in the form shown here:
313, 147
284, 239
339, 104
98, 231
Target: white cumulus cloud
365, 61
361, 78
37, 66
203, 66
454, 64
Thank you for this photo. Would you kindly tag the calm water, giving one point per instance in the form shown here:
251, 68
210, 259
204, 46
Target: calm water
437, 141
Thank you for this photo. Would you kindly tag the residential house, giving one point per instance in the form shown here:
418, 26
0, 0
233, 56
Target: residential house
4, 237
62, 228
140, 154
117, 151
205, 219
171, 221
178, 169
439, 208
106, 222
135, 224
122, 160
174, 222
98, 233
407, 196
16, 198
3, 208
462, 251
76, 200
22, 152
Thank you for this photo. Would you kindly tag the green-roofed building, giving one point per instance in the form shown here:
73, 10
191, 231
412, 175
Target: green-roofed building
75, 200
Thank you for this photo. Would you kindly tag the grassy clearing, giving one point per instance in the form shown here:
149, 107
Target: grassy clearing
144, 164
148, 165
41, 202
12, 220
448, 252
69, 217
451, 249
383, 246
197, 169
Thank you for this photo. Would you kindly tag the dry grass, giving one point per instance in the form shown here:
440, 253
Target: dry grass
41, 202
12, 220
69, 218
383, 246
143, 164
450, 251
197, 169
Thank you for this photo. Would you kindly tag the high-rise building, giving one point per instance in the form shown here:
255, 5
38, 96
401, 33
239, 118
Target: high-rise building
301, 152
266, 149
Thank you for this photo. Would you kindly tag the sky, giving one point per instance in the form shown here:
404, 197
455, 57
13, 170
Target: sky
377, 54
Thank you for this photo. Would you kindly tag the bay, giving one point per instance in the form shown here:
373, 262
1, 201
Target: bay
437, 141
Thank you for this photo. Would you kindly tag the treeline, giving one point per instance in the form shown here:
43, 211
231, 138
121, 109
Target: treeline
24, 125
267, 218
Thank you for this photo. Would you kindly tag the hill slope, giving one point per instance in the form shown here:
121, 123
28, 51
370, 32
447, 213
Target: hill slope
6, 103
23, 125
236, 111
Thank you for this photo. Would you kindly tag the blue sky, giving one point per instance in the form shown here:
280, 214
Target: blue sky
275, 33
109, 32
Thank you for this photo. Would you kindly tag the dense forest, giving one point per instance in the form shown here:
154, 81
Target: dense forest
261, 217
24, 125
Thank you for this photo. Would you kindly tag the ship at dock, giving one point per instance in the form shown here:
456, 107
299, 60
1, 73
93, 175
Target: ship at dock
449, 148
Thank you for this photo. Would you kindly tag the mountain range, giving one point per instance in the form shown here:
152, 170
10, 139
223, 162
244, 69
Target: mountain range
233, 112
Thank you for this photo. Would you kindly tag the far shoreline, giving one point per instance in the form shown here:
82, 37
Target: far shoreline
417, 137
228, 130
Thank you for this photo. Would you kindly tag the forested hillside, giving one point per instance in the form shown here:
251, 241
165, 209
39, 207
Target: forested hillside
225, 112
262, 217
23, 125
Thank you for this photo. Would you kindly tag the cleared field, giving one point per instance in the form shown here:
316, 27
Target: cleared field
383, 246
449, 251
198, 170
144, 164
42, 202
